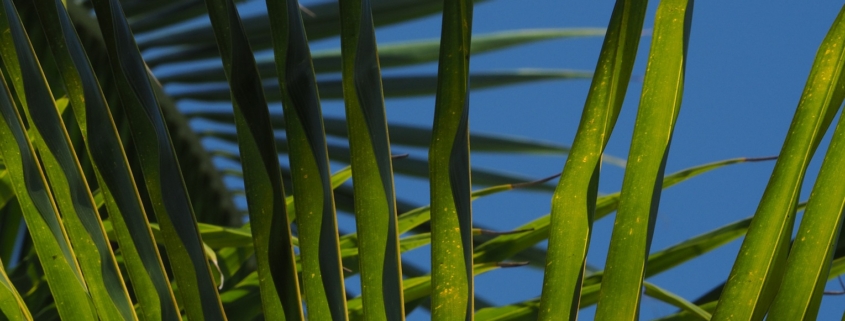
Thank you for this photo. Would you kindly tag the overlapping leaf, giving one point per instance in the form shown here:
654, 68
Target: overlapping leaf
812, 252
52, 246
11, 303
660, 104
141, 257
161, 172
394, 86
757, 271
573, 202
321, 21
315, 208
505, 246
261, 170
68, 183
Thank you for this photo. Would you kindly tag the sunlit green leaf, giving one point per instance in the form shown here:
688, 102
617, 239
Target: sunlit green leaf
449, 171
660, 104
757, 272
573, 208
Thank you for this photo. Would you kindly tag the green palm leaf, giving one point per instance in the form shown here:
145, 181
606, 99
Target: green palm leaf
659, 107
315, 208
69, 185
142, 259
215, 123
391, 55
572, 204
11, 303
324, 21
505, 246
265, 192
187, 155
812, 251
529, 310
61, 269
757, 272
395, 86
451, 215
375, 200
161, 173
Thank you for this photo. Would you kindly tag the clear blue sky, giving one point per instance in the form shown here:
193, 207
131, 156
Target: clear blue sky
747, 65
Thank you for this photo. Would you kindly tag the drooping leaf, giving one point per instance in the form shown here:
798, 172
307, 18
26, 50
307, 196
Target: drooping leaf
674, 299
686, 315
324, 21
505, 246
214, 121
146, 15
11, 303
529, 310
413, 166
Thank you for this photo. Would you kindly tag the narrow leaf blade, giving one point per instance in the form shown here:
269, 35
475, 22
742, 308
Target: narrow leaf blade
660, 104
69, 289
140, 254
449, 168
757, 271
574, 199
315, 208
375, 199
163, 178
262, 176
812, 252
68, 183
